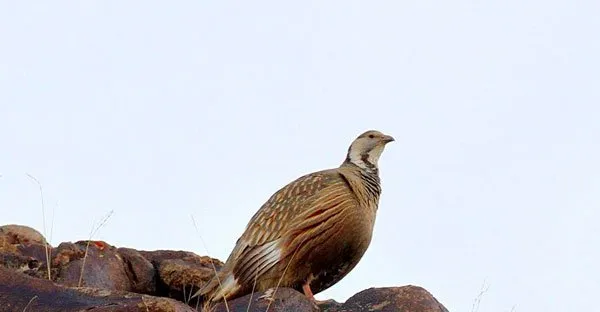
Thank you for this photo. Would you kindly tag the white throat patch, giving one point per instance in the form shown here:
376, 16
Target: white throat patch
370, 161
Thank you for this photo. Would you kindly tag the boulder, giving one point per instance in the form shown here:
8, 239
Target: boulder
22, 234
19, 292
282, 300
96, 276
389, 299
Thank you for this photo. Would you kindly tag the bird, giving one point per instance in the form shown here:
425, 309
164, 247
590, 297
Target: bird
309, 234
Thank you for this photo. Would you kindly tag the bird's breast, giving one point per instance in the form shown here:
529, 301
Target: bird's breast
338, 250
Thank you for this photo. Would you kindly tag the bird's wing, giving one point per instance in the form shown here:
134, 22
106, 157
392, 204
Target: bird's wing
290, 217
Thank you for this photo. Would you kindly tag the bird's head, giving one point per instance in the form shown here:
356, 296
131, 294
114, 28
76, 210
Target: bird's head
364, 152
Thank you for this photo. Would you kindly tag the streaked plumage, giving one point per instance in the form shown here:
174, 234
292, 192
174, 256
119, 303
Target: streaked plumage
310, 233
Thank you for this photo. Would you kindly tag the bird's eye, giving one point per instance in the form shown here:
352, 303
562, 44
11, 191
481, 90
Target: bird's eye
371, 136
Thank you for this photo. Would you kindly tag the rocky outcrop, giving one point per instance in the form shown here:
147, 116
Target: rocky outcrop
19, 292
389, 299
95, 276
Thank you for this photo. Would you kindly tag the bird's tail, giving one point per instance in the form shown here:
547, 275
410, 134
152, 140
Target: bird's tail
206, 289
220, 287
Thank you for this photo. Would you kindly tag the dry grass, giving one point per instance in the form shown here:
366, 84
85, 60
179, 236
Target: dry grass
252, 293
477, 301
187, 299
484, 289
93, 232
28, 303
211, 262
47, 250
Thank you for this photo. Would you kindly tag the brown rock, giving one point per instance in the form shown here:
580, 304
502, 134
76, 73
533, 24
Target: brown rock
158, 256
114, 273
181, 279
34, 251
20, 234
21, 247
19, 292
102, 266
389, 299
140, 271
17, 262
285, 300
180, 273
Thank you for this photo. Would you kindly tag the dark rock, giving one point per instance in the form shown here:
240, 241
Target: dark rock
125, 279
389, 299
17, 262
19, 292
97, 264
284, 300
139, 270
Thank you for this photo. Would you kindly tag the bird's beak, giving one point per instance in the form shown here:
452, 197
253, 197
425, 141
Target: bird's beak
388, 139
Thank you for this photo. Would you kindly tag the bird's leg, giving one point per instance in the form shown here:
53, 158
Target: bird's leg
307, 291
309, 294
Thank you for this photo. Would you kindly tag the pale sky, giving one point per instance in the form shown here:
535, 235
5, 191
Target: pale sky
161, 111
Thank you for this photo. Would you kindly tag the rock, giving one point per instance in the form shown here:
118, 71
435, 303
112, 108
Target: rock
285, 300
20, 234
139, 270
21, 248
125, 279
389, 299
181, 273
19, 292
98, 264
157, 256
163, 273
17, 262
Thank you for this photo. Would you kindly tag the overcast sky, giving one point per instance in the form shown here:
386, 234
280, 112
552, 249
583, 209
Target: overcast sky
162, 111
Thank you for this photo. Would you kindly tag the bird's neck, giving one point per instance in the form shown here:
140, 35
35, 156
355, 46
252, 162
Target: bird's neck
365, 159
368, 183
372, 183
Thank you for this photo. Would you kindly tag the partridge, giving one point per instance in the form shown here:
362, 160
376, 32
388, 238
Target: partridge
310, 233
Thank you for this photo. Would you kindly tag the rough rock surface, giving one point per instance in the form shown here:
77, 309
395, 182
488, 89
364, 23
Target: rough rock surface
95, 276
19, 292
22, 234
284, 299
389, 299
